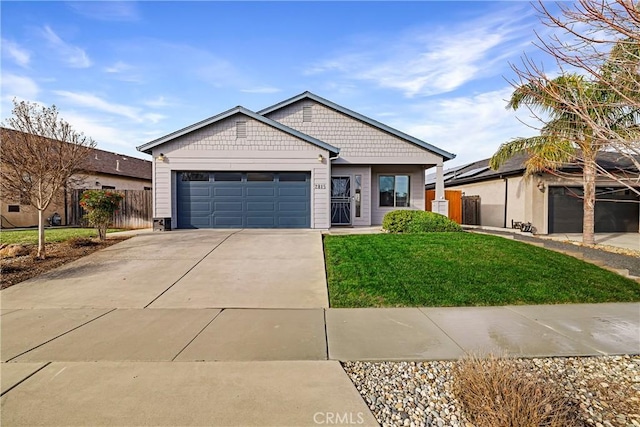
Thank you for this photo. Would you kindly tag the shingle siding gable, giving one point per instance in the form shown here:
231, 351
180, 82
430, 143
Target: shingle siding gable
356, 139
222, 135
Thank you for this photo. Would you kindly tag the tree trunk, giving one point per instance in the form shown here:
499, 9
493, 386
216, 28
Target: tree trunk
41, 253
589, 188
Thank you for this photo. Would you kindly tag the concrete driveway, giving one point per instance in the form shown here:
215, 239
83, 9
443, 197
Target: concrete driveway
187, 269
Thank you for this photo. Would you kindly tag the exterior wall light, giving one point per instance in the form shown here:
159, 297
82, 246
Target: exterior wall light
320, 158
541, 185
160, 158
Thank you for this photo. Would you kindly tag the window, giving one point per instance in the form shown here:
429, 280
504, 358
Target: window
292, 177
358, 196
13, 208
394, 191
227, 176
195, 176
260, 176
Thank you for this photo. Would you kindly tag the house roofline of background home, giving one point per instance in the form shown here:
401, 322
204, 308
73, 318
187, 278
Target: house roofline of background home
513, 167
308, 95
110, 163
146, 148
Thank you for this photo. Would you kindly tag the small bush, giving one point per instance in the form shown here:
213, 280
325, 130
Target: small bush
495, 392
100, 206
409, 221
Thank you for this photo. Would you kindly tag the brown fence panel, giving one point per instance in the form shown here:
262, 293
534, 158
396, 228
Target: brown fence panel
455, 203
135, 209
471, 210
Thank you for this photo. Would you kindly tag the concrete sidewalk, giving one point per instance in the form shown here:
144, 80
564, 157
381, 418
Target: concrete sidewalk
261, 366
433, 333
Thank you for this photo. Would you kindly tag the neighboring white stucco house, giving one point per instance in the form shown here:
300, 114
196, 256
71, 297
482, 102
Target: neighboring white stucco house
305, 162
552, 201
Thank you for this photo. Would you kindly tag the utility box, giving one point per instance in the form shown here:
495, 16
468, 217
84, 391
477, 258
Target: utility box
161, 224
440, 206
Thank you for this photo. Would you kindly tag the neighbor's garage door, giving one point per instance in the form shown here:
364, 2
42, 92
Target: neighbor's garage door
617, 210
244, 200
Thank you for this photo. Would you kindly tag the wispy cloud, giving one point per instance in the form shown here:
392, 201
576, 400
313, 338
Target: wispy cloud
118, 67
96, 103
14, 86
18, 54
428, 61
158, 102
262, 89
107, 10
74, 56
124, 72
470, 126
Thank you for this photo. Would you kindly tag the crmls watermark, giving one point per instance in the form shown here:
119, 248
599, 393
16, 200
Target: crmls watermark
338, 418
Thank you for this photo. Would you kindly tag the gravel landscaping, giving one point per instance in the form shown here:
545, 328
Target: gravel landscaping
605, 391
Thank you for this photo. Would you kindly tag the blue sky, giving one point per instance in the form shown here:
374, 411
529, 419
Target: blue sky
126, 73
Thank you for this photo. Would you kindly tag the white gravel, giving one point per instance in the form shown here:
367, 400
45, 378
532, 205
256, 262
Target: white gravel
606, 389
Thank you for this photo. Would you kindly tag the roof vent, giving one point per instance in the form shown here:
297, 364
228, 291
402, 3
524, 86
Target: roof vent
241, 129
306, 113
118, 165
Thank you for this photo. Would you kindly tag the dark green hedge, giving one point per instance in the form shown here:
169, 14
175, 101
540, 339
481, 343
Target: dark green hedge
408, 221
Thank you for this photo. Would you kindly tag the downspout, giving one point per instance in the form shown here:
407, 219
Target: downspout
506, 200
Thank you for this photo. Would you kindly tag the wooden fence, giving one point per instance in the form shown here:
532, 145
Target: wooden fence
135, 210
455, 203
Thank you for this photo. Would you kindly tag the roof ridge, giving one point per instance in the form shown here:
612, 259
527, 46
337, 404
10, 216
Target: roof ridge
358, 116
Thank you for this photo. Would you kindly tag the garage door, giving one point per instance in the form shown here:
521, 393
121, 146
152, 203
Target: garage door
617, 210
244, 200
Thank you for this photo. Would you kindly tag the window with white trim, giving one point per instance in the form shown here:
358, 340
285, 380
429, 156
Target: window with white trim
394, 191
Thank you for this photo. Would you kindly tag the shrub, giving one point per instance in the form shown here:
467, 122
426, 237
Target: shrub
409, 221
496, 392
101, 205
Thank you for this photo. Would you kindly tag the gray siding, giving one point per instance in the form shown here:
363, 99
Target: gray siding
416, 183
358, 142
217, 148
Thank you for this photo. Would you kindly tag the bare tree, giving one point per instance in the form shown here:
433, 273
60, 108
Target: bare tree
598, 40
41, 155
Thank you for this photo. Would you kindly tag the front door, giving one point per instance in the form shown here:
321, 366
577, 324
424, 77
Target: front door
340, 200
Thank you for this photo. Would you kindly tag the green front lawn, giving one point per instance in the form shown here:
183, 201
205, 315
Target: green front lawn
30, 237
461, 269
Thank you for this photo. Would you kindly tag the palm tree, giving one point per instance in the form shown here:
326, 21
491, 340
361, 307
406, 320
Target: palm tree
572, 104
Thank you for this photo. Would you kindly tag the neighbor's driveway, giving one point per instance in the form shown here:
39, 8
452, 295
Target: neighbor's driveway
187, 269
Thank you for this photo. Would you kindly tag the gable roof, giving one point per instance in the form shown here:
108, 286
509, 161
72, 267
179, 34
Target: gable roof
146, 148
118, 164
107, 162
360, 117
480, 170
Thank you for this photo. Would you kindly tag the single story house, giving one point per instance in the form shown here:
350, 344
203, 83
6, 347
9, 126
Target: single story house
305, 162
104, 170
552, 201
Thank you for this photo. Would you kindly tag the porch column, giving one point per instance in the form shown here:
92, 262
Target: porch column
440, 204
439, 183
